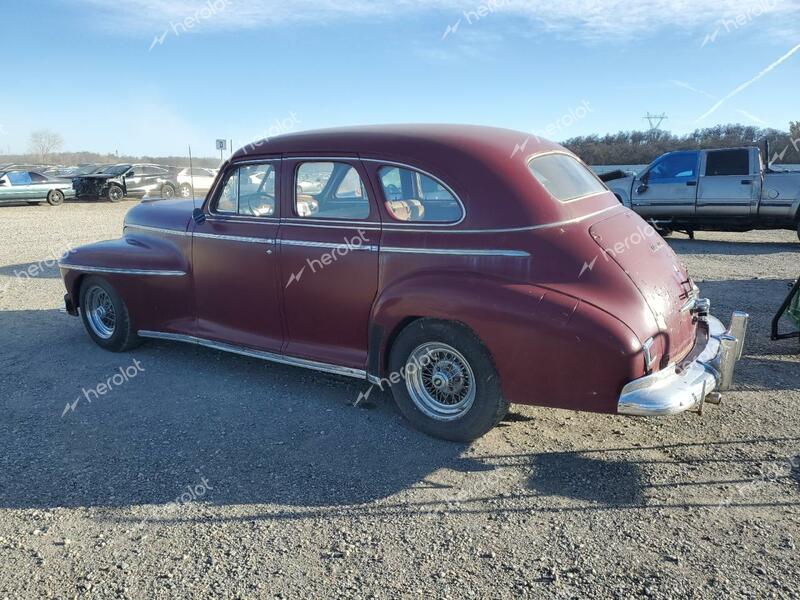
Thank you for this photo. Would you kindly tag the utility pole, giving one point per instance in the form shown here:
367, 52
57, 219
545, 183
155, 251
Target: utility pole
655, 121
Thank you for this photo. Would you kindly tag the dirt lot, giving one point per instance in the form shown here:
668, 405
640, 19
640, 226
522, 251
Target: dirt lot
206, 474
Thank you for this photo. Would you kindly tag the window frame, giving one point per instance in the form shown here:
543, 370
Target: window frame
219, 186
344, 160
380, 164
666, 180
580, 163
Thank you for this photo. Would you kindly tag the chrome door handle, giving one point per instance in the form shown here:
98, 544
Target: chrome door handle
269, 250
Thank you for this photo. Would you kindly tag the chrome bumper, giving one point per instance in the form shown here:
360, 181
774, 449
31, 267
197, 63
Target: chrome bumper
679, 388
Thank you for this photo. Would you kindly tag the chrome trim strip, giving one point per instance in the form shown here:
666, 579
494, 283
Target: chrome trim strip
365, 225
116, 271
457, 252
156, 229
234, 238
260, 354
512, 229
348, 247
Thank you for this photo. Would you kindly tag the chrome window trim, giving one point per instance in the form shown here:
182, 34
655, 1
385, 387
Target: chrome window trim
253, 353
457, 252
309, 244
365, 225
116, 271
391, 163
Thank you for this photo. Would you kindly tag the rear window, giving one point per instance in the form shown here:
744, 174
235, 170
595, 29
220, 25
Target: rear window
564, 177
728, 162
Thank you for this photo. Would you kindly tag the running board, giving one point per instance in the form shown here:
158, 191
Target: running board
244, 351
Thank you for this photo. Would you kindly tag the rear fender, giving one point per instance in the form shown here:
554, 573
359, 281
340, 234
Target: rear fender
549, 349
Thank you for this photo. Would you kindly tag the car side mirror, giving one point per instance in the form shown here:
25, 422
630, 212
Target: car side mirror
199, 216
130, 174
2, 182
643, 187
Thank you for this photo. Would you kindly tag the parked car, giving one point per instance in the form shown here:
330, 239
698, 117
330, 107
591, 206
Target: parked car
202, 180
33, 188
429, 264
720, 190
75, 171
116, 182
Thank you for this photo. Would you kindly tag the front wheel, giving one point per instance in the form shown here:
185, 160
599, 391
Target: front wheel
115, 193
167, 192
105, 316
448, 385
186, 190
55, 197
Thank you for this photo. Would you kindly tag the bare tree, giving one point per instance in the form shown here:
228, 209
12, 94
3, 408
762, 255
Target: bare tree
43, 142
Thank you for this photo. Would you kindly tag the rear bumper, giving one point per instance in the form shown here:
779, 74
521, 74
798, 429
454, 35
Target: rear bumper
686, 386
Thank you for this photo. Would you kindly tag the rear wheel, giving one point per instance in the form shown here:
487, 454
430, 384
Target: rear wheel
55, 197
186, 190
115, 193
449, 387
105, 316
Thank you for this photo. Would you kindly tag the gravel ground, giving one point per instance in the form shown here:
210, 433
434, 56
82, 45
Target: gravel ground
207, 474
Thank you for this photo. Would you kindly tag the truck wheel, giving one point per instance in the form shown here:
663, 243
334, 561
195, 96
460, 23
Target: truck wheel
55, 197
115, 193
167, 192
447, 385
186, 190
105, 316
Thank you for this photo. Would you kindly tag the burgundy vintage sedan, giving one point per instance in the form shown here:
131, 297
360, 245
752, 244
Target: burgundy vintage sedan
457, 266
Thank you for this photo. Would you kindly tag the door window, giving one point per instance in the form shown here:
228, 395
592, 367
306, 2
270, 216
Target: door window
728, 162
19, 178
248, 190
37, 178
412, 196
675, 167
330, 190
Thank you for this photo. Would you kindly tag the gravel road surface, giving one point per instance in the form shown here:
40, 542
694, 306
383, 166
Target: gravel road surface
203, 474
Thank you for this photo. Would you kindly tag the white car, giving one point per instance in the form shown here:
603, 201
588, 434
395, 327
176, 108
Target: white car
198, 178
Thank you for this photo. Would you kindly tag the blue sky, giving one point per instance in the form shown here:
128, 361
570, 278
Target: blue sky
151, 76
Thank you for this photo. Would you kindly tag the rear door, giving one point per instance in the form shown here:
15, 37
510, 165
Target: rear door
668, 188
329, 245
730, 185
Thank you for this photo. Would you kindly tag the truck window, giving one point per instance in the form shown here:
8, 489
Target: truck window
674, 167
728, 162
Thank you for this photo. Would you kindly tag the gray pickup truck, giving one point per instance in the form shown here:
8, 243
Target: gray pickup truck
718, 190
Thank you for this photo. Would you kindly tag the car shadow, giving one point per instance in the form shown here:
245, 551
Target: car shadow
46, 269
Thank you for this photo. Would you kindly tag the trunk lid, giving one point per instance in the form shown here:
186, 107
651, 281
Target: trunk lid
657, 273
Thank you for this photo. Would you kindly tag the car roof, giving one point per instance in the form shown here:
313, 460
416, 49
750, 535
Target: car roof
487, 167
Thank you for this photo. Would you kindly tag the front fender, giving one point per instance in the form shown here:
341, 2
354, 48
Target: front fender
549, 348
621, 188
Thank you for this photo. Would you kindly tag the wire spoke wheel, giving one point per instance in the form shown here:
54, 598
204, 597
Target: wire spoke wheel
100, 311
440, 381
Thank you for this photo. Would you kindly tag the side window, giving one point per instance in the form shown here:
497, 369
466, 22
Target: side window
19, 178
36, 178
413, 197
728, 162
330, 190
675, 167
248, 191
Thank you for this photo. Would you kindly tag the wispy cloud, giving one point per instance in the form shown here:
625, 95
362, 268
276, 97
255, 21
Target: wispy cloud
691, 88
739, 89
608, 20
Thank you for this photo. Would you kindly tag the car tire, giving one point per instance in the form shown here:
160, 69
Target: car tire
105, 316
167, 191
55, 197
186, 190
115, 193
444, 382
665, 233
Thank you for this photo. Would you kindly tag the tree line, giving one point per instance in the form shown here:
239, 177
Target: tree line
642, 147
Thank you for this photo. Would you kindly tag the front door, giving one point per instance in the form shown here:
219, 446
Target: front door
730, 186
235, 260
668, 188
329, 245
